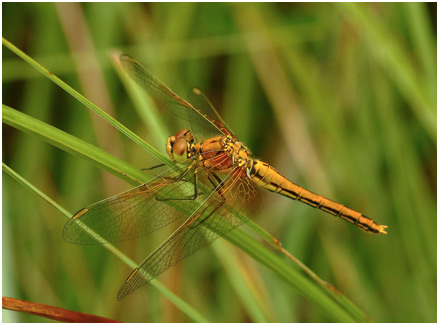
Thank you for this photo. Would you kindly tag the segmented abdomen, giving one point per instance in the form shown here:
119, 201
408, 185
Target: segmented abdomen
267, 177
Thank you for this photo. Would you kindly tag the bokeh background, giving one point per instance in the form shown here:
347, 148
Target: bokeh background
341, 98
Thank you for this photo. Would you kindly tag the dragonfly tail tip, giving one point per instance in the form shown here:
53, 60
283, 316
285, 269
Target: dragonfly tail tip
382, 230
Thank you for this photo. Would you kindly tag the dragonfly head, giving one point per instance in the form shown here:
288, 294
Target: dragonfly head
179, 145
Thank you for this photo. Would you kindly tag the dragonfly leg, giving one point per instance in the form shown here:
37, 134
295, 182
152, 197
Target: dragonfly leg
153, 167
143, 169
217, 184
180, 179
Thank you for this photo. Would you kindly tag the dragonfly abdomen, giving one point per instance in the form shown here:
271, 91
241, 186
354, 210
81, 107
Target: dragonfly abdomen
267, 177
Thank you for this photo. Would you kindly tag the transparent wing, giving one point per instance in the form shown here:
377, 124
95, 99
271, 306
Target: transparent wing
202, 125
199, 100
221, 212
136, 212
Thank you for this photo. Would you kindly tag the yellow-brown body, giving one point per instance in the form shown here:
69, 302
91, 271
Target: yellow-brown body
225, 153
267, 177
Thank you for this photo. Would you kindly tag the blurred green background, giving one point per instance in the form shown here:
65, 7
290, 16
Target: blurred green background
340, 98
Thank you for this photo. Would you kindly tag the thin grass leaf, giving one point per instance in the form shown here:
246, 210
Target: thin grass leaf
422, 38
282, 268
182, 305
85, 101
70, 144
243, 285
393, 57
99, 158
143, 104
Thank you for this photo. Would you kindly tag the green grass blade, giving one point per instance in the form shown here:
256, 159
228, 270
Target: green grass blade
99, 158
242, 284
329, 289
70, 144
291, 276
119, 126
423, 38
182, 305
142, 103
394, 59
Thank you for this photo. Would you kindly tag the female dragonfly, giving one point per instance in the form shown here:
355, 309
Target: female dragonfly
215, 183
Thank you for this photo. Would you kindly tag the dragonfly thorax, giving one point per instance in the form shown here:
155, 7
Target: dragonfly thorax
237, 151
222, 153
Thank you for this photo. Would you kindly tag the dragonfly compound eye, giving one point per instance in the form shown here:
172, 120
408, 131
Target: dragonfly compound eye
179, 147
185, 134
181, 133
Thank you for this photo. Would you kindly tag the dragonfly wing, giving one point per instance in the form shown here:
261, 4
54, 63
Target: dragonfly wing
199, 100
133, 213
210, 221
202, 124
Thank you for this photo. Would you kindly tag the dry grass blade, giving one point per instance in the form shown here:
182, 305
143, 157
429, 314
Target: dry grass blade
51, 312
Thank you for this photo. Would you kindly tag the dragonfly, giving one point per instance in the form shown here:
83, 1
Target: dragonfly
214, 184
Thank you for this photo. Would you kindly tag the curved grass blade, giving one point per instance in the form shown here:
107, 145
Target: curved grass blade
119, 126
177, 301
